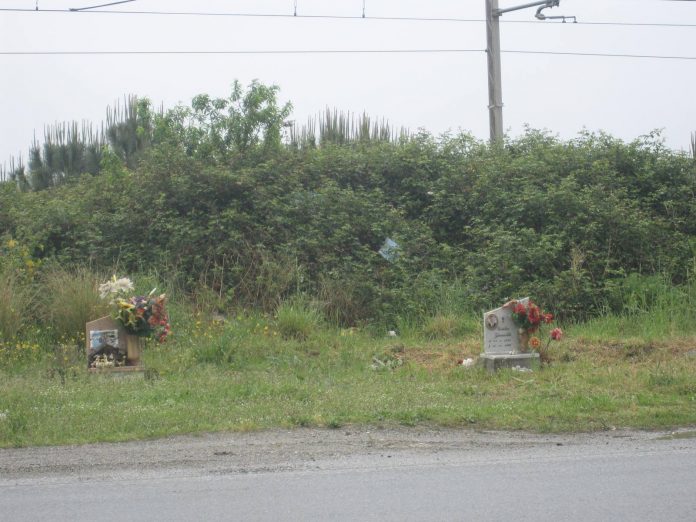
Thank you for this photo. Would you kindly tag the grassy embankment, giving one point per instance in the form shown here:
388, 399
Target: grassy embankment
241, 221
255, 372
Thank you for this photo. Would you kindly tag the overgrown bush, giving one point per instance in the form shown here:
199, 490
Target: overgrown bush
257, 223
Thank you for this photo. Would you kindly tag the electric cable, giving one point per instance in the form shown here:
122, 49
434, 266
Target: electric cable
345, 51
336, 17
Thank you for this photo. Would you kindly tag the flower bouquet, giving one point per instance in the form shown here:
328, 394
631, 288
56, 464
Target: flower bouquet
144, 316
529, 319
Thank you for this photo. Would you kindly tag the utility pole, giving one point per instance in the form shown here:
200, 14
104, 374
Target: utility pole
495, 81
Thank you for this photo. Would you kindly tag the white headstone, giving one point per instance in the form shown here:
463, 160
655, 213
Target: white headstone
500, 332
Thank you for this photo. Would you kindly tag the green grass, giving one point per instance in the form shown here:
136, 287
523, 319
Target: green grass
245, 375
15, 302
69, 299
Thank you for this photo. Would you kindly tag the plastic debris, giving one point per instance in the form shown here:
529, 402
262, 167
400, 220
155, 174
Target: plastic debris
390, 250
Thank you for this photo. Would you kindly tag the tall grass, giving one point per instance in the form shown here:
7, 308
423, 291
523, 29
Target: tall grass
653, 309
297, 319
16, 303
69, 299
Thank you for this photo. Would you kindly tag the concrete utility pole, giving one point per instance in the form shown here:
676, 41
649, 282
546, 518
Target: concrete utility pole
495, 82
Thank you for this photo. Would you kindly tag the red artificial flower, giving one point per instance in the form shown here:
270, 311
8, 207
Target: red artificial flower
548, 318
556, 334
534, 314
520, 309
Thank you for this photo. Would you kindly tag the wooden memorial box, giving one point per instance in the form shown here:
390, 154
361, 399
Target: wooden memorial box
110, 347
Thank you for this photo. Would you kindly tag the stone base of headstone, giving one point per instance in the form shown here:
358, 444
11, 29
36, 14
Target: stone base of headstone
495, 362
120, 372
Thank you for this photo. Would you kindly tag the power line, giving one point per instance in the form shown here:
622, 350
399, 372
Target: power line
335, 17
342, 51
603, 55
270, 51
76, 9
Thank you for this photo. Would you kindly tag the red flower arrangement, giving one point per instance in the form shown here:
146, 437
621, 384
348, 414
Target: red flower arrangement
529, 317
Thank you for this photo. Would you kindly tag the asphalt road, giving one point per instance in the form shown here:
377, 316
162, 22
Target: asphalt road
364, 474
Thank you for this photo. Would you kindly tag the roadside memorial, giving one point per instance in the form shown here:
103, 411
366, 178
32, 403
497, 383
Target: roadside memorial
509, 335
115, 343
110, 346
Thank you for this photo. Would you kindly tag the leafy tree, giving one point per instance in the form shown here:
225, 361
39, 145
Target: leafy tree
237, 125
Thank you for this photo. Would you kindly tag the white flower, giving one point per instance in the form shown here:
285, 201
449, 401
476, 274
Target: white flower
391, 333
115, 287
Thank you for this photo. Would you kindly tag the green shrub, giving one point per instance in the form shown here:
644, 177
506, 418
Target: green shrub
563, 221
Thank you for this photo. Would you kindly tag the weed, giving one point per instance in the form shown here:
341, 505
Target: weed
297, 320
661, 378
16, 300
219, 349
441, 327
333, 424
69, 299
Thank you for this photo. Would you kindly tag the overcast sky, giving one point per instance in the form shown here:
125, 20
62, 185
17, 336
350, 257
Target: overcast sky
626, 97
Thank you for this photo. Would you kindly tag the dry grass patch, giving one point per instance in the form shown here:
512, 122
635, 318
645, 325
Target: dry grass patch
440, 356
632, 350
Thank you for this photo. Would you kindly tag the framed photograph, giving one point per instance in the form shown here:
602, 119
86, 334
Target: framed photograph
100, 339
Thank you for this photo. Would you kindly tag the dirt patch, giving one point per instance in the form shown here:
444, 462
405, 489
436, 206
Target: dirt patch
441, 356
633, 350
